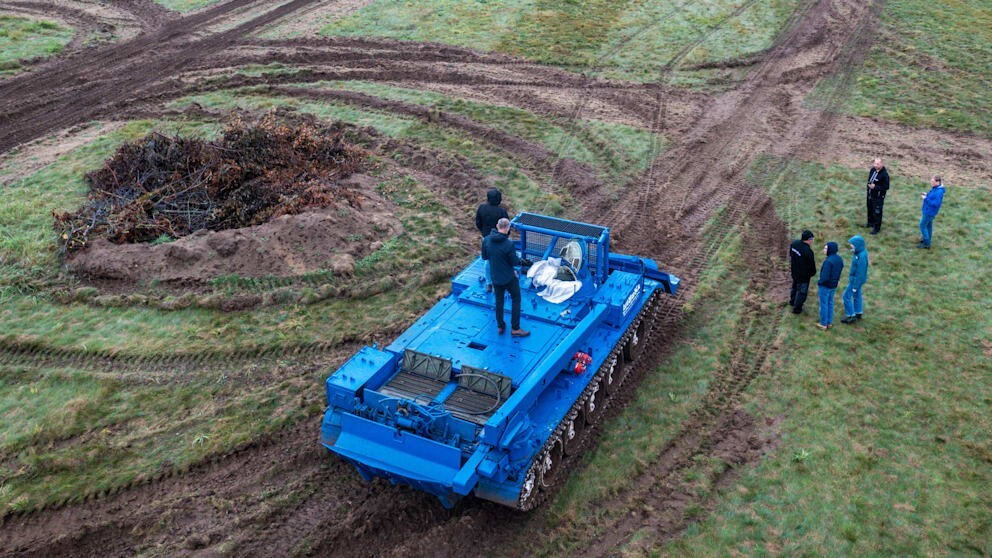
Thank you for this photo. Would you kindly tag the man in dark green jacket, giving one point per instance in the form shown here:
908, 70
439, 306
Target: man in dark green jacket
499, 251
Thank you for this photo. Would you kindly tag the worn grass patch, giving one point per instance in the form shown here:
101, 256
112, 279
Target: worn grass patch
625, 39
618, 151
520, 190
929, 67
67, 433
885, 431
184, 6
631, 442
25, 39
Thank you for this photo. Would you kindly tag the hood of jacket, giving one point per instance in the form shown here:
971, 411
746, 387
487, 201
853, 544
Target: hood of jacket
831, 248
494, 196
858, 242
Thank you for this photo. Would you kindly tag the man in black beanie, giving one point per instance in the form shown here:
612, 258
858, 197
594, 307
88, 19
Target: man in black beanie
803, 267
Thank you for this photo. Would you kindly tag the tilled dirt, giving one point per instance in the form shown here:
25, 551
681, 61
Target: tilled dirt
281, 495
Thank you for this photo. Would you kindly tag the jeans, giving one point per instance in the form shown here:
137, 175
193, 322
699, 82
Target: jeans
853, 302
500, 290
926, 228
797, 296
826, 305
489, 266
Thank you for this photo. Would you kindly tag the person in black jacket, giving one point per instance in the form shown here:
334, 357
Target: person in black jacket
803, 267
486, 218
875, 190
499, 251
827, 285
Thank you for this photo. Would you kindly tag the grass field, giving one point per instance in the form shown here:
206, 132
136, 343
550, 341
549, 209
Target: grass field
25, 39
183, 6
930, 68
125, 433
883, 426
619, 39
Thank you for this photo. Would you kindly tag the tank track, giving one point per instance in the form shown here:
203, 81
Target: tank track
553, 463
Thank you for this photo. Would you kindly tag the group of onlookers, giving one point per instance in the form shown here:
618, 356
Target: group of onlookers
803, 263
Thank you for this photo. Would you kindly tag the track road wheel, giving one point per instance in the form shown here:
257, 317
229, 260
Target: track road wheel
572, 436
595, 404
634, 345
614, 375
551, 465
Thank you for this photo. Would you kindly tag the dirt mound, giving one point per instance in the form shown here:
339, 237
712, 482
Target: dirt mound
330, 239
167, 188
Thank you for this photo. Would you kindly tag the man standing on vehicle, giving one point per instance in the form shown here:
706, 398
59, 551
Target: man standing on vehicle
499, 251
485, 220
803, 267
878, 185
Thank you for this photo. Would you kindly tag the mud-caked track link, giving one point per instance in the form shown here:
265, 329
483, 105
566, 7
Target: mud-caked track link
572, 437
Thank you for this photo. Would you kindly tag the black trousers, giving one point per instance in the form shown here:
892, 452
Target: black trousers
875, 207
797, 296
500, 291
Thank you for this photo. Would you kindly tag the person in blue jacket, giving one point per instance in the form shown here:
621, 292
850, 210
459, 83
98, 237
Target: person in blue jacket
931, 206
853, 301
498, 249
827, 285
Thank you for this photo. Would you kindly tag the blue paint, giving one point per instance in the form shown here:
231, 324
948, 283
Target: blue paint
401, 412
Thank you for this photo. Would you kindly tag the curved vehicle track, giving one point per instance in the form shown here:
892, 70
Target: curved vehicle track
280, 494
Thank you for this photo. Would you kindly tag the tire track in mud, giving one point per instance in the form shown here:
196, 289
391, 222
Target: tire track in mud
100, 81
381, 520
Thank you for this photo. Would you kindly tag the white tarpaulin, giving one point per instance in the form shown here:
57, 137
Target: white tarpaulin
545, 274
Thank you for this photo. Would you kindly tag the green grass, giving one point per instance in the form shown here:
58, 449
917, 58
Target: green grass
885, 446
664, 399
620, 152
184, 6
27, 240
622, 39
520, 191
25, 39
929, 68
69, 433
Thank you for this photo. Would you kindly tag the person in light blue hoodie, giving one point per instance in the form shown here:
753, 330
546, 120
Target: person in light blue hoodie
827, 285
931, 206
853, 301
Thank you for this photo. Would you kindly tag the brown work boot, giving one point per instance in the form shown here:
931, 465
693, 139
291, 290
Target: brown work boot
519, 332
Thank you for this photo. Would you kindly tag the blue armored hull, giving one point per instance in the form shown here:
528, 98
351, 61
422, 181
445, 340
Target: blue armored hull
453, 407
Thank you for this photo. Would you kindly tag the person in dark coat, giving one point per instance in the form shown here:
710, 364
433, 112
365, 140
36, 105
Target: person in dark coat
827, 285
803, 267
875, 190
499, 251
486, 218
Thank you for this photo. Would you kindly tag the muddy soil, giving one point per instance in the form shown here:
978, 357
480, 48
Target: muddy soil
281, 495
331, 239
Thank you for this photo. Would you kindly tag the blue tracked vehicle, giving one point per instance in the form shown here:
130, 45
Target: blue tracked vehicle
454, 408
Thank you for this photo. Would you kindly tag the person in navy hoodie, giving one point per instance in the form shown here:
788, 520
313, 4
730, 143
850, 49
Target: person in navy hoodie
853, 294
931, 206
498, 249
827, 285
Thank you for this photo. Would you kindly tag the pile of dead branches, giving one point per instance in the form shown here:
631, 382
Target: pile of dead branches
173, 186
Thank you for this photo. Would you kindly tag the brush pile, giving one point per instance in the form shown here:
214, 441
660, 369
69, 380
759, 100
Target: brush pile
171, 187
